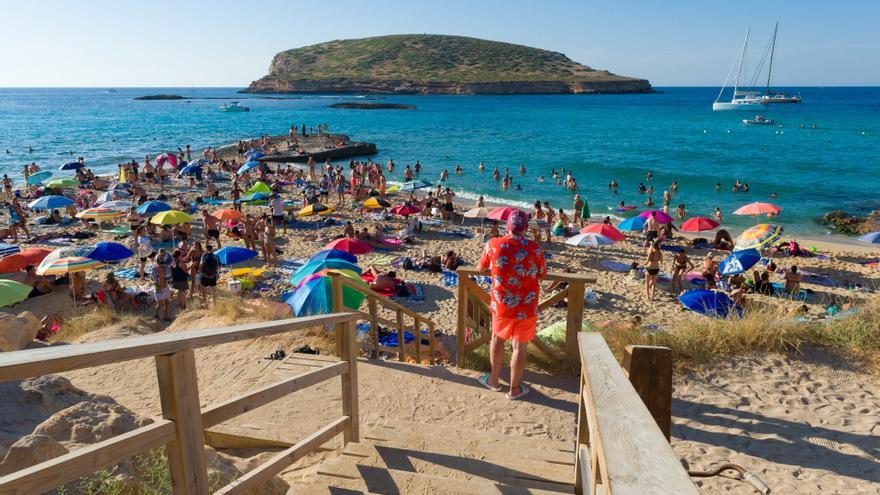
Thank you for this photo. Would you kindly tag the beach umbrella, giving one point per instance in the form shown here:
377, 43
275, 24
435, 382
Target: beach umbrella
254, 153
589, 240
68, 264
7, 249
349, 245
118, 204
414, 184
376, 203
872, 238
405, 210
739, 261
100, 213
478, 212
710, 303
659, 215
337, 254
632, 224
227, 214
191, 170
758, 208
109, 251
18, 261
63, 183
315, 266
758, 236
230, 255
585, 211
12, 292
247, 166
501, 214
170, 217
315, 209
257, 196
259, 187
153, 207
604, 229
698, 224
169, 158
315, 295
71, 166
66, 252
38, 177
50, 203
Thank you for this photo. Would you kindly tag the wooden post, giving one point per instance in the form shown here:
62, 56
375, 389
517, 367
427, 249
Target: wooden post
583, 438
417, 331
346, 335
650, 372
336, 293
431, 340
461, 330
374, 325
575, 318
179, 394
400, 335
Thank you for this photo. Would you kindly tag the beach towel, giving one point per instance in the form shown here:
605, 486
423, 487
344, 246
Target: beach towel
822, 279
61, 241
457, 232
126, 273
450, 279
779, 290
672, 248
695, 278
381, 260
215, 201
614, 266
120, 230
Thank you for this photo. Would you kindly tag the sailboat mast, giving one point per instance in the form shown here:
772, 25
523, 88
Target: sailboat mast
772, 51
742, 57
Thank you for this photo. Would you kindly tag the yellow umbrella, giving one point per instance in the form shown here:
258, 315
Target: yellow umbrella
376, 203
170, 217
316, 209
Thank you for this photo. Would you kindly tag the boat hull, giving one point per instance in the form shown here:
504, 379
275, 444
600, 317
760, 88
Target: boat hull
748, 105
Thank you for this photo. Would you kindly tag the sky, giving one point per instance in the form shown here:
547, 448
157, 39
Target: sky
98, 43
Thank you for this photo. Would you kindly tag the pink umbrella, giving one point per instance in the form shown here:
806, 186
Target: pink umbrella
604, 229
758, 209
661, 216
170, 158
405, 210
349, 245
501, 213
698, 224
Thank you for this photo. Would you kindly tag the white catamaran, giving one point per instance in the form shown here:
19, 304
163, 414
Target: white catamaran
741, 100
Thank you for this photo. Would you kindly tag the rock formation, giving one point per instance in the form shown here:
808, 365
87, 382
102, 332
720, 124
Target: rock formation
16, 332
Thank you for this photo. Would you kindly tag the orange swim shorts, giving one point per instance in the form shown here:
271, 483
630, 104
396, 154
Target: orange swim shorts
506, 328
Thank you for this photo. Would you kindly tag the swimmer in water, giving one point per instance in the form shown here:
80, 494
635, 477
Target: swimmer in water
541, 179
482, 167
773, 195
718, 187
522, 169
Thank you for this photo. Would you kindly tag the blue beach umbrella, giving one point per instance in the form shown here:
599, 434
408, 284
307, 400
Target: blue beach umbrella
872, 238
709, 303
231, 255
71, 166
109, 251
315, 296
50, 203
191, 170
336, 254
251, 151
315, 266
247, 166
38, 177
255, 156
414, 184
153, 207
739, 261
7, 249
632, 224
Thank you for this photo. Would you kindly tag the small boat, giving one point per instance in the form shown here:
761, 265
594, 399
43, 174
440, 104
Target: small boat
758, 120
234, 107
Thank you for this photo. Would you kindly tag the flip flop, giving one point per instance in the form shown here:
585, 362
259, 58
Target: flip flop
523, 391
484, 381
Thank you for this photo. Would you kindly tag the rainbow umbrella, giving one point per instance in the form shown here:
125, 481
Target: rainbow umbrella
66, 252
71, 264
316, 266
12, 292
376, 203
170, 217
38, 177
659, 215
758, 236
315, 295
100, 213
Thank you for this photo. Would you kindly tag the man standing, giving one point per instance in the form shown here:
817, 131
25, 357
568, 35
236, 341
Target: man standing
209, 267
516, 265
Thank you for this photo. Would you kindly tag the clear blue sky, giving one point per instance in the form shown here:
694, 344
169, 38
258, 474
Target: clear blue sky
224, 43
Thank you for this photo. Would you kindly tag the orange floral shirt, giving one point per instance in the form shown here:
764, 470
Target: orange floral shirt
516, 265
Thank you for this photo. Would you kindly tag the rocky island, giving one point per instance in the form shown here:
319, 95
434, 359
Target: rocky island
373, 106
161, 97
435, 64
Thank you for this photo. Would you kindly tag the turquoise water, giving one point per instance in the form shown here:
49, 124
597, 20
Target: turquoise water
674, 134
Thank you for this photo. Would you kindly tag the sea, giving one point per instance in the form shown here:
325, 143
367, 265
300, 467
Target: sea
820, 155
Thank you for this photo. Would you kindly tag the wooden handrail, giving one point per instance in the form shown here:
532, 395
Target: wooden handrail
587, 278
620, 446
181, 429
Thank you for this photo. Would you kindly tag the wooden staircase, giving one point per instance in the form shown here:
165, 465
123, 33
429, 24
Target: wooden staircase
400, 457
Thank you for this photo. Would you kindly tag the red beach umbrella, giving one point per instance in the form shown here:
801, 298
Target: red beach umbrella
405, 210
18, 261
604, 229
758, 209
698, 224
660, 215
349, 245
501, 213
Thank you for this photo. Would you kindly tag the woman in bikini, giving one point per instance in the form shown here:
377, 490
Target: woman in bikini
652, 269
194, 256
681, 265
710, 268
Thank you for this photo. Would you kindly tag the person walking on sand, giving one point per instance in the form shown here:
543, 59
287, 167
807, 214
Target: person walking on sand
516, 265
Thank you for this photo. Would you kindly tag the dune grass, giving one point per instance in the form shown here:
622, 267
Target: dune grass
89, 319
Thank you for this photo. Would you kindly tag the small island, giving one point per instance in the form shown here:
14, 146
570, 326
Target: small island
373, 106
161, 97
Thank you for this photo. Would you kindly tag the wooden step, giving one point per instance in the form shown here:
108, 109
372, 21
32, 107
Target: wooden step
345, 472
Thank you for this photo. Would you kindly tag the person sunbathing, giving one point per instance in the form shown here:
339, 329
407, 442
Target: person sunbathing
451, 261
792, 280
41, 285
762, 283
117, 294
381, 281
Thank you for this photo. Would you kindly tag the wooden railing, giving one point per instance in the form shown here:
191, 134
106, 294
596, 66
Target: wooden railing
182, 427
620, 449
475, 318
372, 315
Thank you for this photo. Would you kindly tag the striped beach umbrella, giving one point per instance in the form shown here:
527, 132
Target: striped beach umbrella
7, 249
758, 236
70, 264
170, 217
51, 202
100, 213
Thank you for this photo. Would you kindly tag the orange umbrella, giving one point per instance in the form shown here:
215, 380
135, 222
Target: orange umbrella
604, 229
18, 261
227, 214
758, 209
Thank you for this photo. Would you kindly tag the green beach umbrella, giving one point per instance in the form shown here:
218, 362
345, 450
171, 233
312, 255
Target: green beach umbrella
12, 292
259, 187
585, 210
62, 183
